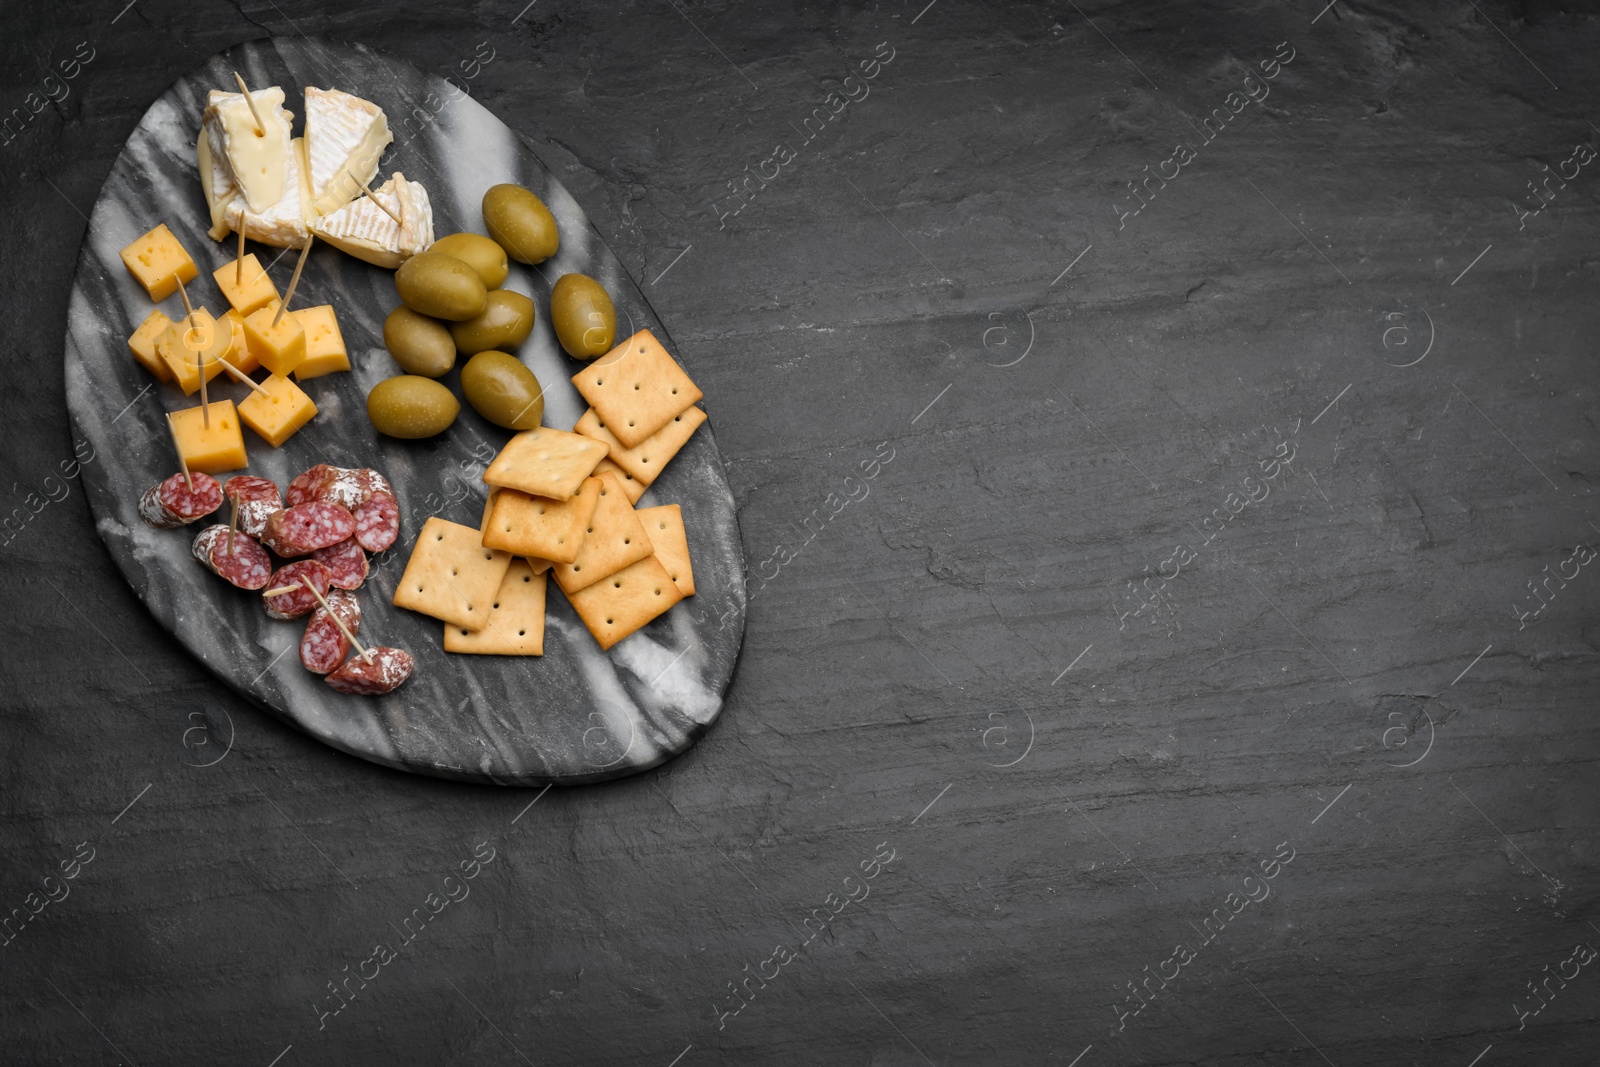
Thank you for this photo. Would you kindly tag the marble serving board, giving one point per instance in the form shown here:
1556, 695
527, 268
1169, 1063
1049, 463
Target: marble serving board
574, 715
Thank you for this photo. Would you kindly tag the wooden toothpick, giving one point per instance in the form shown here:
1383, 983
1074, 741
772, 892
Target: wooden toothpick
188, 308
336, 620
365, 188
233, 524
294, 280
182, 463
261, 127
238, 263
199, 355
205, 404
245, 378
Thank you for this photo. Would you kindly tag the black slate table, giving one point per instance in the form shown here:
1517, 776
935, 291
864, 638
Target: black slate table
1165, 445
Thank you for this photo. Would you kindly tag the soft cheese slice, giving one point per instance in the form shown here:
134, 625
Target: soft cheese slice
282, 224
257, 159
345, 135
217, 183
365, 230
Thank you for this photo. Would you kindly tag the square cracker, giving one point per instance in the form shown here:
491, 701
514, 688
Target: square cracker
539, 565
450, 575
630, 485
615, 607
545, 462
516, 618
526, 525
664, 527
645, 460
612, 540
636, 388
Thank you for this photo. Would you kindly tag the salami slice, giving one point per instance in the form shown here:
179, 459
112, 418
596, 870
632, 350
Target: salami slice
302, 529
303, 489
345, 486
347, 561
382, 670
246, 564
324, 645
377, 522
172, 503
256, 498
299, 601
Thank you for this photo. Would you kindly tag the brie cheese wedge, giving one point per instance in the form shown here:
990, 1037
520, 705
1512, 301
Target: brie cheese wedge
345, 135
365, 230
257, 159
282, 224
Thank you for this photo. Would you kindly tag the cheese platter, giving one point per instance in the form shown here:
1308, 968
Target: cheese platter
392, 441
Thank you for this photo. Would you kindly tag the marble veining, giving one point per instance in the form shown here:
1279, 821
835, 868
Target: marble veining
575, 715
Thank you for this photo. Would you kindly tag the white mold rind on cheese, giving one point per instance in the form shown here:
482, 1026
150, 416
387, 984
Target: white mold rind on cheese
365, 230
345, 136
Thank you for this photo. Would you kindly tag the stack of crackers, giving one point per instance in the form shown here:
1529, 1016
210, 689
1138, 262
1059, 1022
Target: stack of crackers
563, 504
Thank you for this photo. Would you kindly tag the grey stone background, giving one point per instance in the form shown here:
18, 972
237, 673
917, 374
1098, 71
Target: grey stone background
1071, 773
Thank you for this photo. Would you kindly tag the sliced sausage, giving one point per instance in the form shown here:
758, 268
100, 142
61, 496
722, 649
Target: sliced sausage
256, 499
377, 522
382, 670
297, 602
324, 645
172, 503
347, 560
245, 564
301, 529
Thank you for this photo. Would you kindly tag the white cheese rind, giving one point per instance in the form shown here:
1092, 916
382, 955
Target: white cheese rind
345, 136
364, 230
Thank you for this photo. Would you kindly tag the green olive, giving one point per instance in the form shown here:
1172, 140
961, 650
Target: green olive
505, 323
584, 318
419, 344
503, 391
432, 283
411, 406
477, 252
520, 223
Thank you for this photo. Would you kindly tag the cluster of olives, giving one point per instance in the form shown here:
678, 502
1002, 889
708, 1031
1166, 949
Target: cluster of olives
452, 304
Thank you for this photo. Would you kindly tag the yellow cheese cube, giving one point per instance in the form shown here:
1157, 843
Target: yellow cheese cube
158, 262
324, 343
279, 348
143, 345
181, 348
277, 419
240, 355
254, 291
210, 450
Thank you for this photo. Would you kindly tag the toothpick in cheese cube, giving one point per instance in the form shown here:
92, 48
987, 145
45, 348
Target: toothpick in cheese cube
210, 450
255, 291
279, 348
280, 415
182, 347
